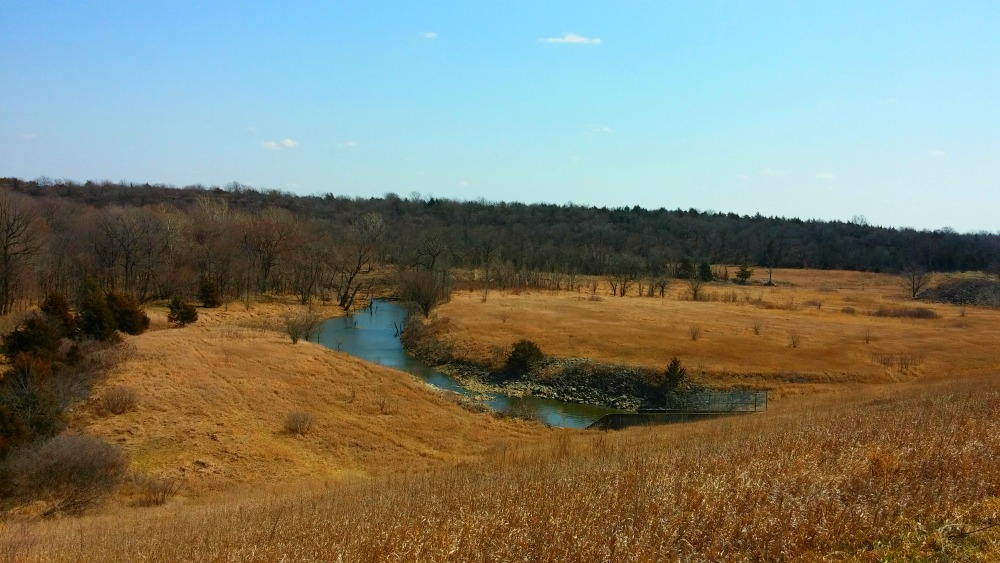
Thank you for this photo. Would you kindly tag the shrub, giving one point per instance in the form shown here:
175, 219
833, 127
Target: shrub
156, 492
302, 326
524, 355
31, 399
694, 332
34, 336
209, 294
69, 471
58, 313
119, 400
520, 411
674, 374
96, 319
181, 313
905, 312
793, 339
299, 422
129, 316
848, 310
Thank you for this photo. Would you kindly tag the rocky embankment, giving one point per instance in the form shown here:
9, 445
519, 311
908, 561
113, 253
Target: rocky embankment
575, 380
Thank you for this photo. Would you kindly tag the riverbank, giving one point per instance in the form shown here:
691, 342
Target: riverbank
575, 380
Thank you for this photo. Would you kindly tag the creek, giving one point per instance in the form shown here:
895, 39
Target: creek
372, 334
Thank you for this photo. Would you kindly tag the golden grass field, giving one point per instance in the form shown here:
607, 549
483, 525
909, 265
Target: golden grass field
213, 397
887, 473
648, 331
887, 464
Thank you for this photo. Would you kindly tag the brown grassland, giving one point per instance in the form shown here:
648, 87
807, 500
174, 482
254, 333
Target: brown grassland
744, 331
890, 462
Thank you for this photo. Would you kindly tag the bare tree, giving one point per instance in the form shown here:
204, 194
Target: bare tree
914, 279
357, 257
695, 285
21, 231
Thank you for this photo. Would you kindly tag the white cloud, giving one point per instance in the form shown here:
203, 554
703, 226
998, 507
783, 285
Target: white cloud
349, 145
936, 153
572, 39
601, 129
429, 35
251, 129
280, 145
464, 184
776, 172
825, 176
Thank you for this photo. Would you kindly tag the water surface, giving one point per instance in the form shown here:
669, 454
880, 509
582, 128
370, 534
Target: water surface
372, 334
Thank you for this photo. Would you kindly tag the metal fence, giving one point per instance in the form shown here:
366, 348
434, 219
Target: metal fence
739, 400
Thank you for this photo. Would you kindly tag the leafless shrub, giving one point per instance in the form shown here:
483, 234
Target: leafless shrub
157, 491
793, 339
694, 332
848, 310
813, 303
757, 326
961, 311
730, 296
387, 405
302, 326
119, 400
520, 411
299, 422
595, 297
68, 472
103, 358
868, 335
902, 362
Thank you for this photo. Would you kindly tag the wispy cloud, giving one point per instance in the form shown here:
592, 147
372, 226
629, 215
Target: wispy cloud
936, 153
251, 129
280, 145
429, 35
572, 39
349, 145
463, 183
825, 176
604, 129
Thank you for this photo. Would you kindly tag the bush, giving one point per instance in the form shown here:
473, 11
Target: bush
119, 400
209, 294
905, 312
69, 472
34, 336
31, 400
674, 374
96, 319
129, 316
302, 326
180, 312
299, 422
156, 492
58, 313
524, 355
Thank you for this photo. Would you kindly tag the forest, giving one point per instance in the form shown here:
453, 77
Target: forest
154, 241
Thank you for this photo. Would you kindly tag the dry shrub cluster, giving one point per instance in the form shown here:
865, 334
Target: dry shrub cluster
894, 476
119, 400
156, 491
299, 422
905, 312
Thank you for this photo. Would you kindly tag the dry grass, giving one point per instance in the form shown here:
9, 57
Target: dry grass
215, 394
743, 340
906, 472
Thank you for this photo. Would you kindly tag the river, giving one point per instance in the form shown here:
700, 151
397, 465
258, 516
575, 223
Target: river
372, 334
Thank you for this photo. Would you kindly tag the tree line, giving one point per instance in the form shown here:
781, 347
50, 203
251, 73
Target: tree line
155, 241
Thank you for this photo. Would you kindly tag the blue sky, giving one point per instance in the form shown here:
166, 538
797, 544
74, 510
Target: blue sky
889, 110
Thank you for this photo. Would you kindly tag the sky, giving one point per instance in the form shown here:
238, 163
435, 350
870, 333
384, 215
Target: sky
826, 110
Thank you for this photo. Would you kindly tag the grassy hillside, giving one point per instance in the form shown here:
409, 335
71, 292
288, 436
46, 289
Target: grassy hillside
213, 397
744, 332
906, 471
